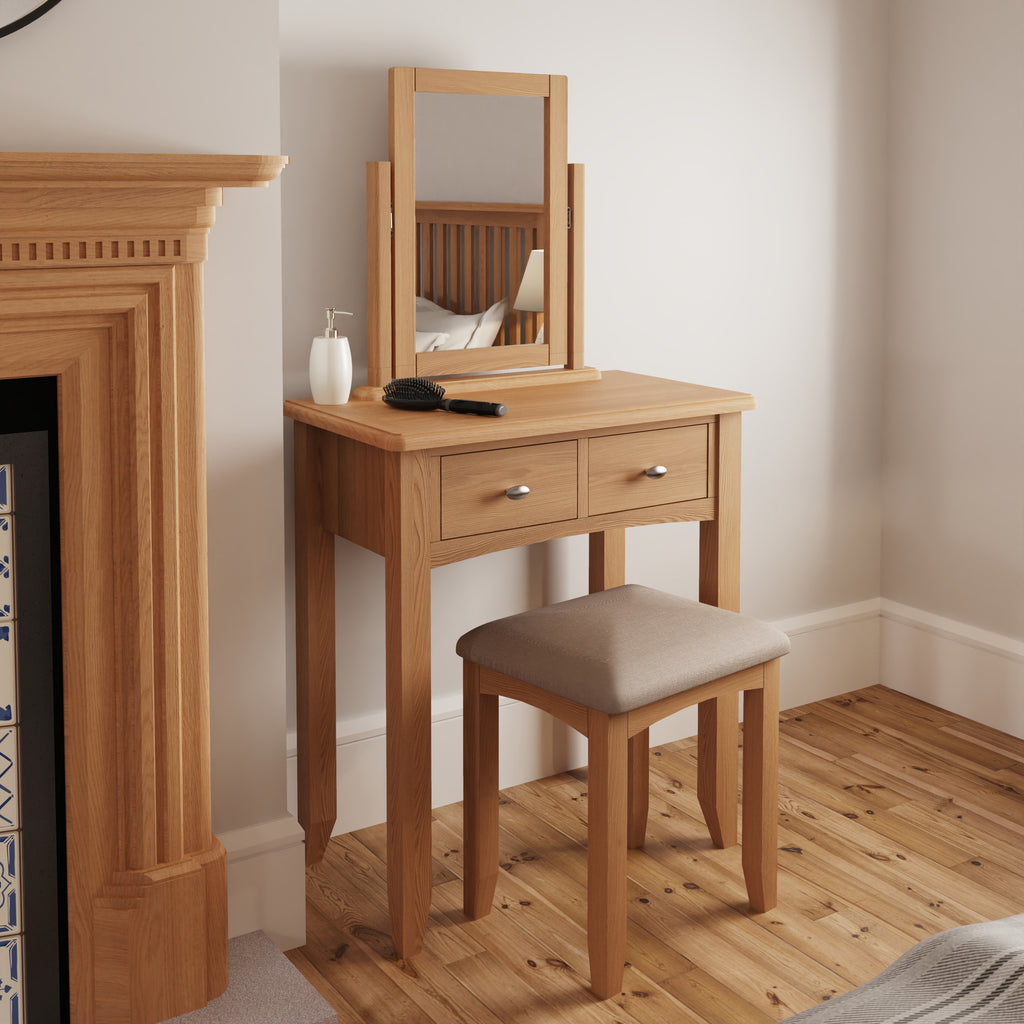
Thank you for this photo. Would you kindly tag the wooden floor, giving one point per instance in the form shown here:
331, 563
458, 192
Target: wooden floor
897, 820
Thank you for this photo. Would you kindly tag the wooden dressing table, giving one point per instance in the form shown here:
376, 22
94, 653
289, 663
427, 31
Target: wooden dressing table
597, 453
428, 488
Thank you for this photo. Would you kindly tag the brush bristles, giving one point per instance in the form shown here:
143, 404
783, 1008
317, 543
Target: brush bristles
413, 388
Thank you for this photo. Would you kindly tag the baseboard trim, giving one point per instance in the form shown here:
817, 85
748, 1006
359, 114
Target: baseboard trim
950, 629
829, 618
834, 650
266, 866
954, 665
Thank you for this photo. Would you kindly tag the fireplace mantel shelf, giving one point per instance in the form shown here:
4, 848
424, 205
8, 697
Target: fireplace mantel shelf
101, 287
105, 169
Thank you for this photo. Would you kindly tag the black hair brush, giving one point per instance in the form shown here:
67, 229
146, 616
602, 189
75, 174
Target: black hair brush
422, 393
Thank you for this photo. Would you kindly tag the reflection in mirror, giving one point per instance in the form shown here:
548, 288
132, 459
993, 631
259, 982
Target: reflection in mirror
483, 149
479, 212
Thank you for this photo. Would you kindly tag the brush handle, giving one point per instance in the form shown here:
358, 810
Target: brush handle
480, 408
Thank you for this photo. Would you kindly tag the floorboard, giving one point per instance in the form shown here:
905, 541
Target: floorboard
896, 820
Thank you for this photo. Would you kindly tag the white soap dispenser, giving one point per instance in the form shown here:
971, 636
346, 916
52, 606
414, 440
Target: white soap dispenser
330, 364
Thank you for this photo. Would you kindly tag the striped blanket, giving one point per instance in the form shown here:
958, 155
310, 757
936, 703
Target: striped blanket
968, 975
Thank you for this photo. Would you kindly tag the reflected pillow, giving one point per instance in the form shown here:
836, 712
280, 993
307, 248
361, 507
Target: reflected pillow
490, 324
475, 330
431, 341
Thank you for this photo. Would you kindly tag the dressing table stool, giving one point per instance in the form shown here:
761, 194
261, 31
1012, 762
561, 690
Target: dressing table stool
611, 665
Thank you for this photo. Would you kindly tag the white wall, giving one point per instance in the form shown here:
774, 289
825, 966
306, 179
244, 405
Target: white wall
122, 76
735, 233
480, 149
953, 539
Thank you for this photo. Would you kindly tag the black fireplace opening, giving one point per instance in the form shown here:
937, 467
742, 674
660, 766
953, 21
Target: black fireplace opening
29, 453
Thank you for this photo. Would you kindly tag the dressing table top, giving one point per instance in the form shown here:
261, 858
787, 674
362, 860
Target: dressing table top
618, 399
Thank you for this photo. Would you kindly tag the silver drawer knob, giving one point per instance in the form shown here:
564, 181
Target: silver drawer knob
656, 471
517, 492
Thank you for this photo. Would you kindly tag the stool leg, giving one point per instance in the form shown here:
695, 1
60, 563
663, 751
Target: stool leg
717, 761
480, 794
606, 851
760, 790
639, 787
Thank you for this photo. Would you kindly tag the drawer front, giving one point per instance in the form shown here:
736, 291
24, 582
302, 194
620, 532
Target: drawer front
474, 488
619, 463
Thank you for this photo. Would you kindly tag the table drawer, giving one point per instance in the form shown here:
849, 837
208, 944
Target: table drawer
618, 468
475, 486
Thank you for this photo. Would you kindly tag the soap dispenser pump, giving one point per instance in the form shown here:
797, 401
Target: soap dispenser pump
330, 364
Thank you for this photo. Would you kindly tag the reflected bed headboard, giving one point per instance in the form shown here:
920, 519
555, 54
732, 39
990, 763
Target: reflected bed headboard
471, 255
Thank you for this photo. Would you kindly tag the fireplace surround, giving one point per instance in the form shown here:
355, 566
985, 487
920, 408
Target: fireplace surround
101, 288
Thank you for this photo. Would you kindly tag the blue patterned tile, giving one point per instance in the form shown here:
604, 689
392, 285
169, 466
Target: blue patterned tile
9, 817
12, 1006
10, 884
6, 567
8, 677
6, 495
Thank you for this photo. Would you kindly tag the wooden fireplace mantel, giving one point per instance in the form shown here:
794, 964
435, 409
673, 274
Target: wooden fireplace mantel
101, 287
103, 209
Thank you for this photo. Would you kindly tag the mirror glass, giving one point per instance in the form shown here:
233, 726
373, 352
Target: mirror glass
482, 149
486, 150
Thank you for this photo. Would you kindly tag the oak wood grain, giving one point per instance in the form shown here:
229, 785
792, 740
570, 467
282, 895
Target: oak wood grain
407, 626
606, 851
475, 486
619, 464
760, 789
575, 303
101, 288
314, 647
480, 788
379, 366
616, 400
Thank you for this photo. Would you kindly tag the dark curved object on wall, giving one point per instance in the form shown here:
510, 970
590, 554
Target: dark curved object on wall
27, 19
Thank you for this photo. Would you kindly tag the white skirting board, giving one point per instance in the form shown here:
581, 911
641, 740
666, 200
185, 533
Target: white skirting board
267, 881
834, 651
958, 667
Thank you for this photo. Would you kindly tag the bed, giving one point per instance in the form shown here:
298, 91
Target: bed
470, 259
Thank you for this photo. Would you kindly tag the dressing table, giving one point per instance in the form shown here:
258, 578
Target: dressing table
579, 452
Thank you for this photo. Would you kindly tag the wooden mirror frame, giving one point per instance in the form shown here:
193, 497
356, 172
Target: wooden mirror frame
392, 244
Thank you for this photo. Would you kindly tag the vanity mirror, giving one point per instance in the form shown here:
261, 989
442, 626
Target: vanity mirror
477, 181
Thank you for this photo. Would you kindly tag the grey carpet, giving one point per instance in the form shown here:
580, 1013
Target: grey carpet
263, 988
968, 975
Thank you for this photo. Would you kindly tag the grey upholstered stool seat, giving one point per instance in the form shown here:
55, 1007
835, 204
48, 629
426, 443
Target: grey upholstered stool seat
619, 649
611, 664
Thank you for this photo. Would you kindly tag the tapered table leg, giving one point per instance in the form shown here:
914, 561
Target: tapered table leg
639, 788
607, 559
717, 720
718, 766
606, 852
480, 794
760, 790
314, 622
407, 597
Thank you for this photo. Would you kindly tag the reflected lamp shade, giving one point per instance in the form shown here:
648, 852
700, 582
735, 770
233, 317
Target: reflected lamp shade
530, 298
